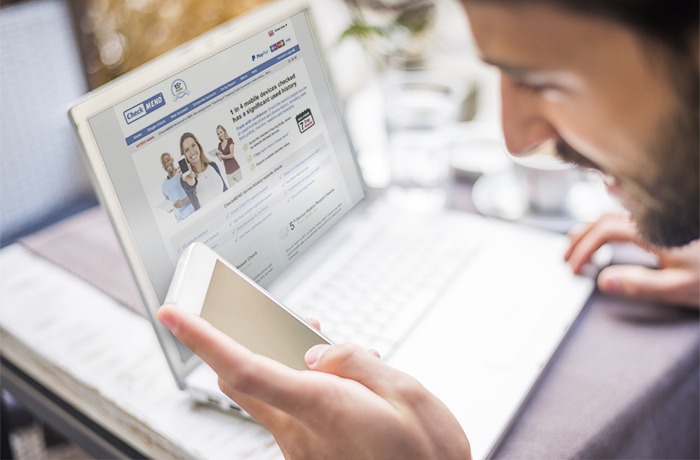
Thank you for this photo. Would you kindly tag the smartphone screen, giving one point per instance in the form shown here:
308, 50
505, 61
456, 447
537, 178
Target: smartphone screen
248, 316
184, 167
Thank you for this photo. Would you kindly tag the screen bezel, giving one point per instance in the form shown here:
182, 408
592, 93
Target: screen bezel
144, 77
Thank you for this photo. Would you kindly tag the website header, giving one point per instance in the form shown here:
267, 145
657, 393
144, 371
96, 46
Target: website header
221, 90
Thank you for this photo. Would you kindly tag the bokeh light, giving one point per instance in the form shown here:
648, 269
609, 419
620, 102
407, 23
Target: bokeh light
120, 35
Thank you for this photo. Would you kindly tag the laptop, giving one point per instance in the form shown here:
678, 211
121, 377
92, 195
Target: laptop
473, 308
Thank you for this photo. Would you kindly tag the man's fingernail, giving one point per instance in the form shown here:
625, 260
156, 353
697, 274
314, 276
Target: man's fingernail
611, 285
315, 353
169, 322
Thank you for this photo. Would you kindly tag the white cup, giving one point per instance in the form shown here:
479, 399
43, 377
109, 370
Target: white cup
545, 179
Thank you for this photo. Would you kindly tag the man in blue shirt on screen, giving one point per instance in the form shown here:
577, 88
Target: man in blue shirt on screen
172, 190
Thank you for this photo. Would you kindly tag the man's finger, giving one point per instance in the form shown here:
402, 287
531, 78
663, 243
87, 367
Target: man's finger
575, 235
596, 237
314, 322
374, 352
671, 286
243, 371
270, 417
352, 362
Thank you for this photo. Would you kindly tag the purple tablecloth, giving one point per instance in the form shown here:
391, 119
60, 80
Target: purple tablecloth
85, 245
623, 385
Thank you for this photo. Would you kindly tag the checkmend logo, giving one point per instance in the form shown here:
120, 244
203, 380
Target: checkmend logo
144, 108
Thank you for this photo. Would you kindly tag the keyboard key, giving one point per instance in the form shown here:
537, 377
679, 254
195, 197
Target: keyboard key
379, 316
370, 328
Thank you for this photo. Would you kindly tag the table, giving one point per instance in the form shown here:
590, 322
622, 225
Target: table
624, 384
105, 362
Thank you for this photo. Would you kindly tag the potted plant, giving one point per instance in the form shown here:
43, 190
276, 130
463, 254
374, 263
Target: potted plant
395, 34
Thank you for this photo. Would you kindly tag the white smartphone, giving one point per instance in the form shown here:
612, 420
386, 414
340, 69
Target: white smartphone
184, 167
207, 285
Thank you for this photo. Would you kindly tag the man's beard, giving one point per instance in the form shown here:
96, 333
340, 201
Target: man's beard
670, 213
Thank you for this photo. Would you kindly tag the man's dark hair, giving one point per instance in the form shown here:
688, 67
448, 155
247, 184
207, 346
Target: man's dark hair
671, 22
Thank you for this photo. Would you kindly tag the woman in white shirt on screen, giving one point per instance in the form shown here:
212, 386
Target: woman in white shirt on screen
204, 183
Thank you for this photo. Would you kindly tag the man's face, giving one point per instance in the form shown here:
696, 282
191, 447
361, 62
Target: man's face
168, 164
606, 97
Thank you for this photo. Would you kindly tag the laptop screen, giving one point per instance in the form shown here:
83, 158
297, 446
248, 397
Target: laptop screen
243, 151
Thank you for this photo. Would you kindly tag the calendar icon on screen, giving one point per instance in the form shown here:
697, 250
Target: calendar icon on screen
305, 120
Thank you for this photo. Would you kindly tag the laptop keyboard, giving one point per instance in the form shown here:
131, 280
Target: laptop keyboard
377, 296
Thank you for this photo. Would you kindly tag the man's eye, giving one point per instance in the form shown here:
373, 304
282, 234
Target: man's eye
535, 88
532, 88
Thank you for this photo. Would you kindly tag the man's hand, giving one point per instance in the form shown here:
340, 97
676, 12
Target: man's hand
177, 204
676, 281
348, 406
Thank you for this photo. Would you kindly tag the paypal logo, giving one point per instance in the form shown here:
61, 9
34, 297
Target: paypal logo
144, 108
258, 56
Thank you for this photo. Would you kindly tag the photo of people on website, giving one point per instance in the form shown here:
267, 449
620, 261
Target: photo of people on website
202, 182
198, 169
226, 154
173, 191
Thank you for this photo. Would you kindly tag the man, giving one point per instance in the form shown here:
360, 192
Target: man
615, 84
172, 190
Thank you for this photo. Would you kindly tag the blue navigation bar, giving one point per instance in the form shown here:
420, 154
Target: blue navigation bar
211, 95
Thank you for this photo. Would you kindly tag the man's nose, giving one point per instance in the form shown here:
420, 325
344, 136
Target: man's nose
525, 126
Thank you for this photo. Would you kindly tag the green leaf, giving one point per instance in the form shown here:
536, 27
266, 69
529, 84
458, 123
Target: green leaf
361, 31
417, 19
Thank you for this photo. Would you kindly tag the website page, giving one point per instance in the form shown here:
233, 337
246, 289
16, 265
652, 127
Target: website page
243, 152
